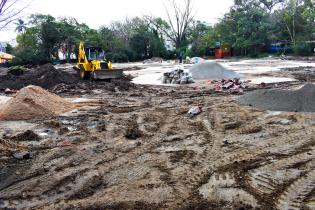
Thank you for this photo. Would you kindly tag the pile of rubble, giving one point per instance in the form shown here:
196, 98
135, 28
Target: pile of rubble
234, 86
177, 76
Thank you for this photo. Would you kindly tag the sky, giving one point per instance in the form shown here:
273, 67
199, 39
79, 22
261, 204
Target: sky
96, 13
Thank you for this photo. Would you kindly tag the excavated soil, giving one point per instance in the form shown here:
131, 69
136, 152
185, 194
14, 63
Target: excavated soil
33, 102
140, 150
61, 80
301, 100
45, 76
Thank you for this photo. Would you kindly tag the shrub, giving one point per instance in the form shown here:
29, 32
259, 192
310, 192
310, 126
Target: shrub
17, 70
302, 49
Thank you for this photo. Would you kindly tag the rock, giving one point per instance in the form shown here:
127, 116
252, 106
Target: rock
63, 130
9, 91
133, 134
28, 135
250, 129
285, 122
173, 138
231, 125
22, 155
195, 110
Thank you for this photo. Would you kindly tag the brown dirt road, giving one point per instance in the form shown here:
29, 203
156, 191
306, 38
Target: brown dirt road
228, 157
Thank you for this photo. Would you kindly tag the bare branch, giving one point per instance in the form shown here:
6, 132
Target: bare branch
10, 10
180, 20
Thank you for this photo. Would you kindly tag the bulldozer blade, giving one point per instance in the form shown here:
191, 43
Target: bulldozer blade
107, 74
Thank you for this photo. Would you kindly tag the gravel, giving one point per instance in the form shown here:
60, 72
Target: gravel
301, 100
211, 71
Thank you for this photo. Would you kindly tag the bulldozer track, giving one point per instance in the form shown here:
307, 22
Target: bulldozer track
176, 162
295, 194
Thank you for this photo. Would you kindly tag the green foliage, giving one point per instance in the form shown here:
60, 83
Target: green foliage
17, 70
9, 49
303, 49
20, 26
250, 27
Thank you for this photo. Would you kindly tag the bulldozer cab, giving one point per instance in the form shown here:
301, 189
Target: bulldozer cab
95, 53
92, 64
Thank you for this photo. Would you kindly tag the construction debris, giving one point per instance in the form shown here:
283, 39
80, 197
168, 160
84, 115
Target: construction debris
234, 86
195, 110
177, 76
34, 102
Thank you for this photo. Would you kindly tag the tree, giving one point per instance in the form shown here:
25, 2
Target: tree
295, 20
245, 27
11, 10
197, 38
9, 48
20, 26
178, 23
109, 40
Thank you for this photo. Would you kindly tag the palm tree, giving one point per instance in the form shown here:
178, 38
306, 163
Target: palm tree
20, 26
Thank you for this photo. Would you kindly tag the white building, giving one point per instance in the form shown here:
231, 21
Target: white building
3, 46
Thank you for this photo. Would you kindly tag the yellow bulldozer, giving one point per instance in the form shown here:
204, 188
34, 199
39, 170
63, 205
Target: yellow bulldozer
93, 65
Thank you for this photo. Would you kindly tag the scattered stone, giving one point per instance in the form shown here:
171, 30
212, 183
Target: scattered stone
54, 124
231, 125
285, 122
9, 91
28, 135
133, 134
22, 155
177, 76
195, 110
63, 131
233, 86
173, 138
250, 129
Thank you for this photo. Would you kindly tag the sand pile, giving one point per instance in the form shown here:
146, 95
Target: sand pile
301, 100
45, 76
211, 71
34, 102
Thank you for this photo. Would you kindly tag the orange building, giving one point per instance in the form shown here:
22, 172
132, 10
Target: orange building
223, 51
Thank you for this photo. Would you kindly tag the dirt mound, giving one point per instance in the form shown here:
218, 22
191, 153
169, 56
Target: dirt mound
45, 76
302, 100
34, 102
211, 71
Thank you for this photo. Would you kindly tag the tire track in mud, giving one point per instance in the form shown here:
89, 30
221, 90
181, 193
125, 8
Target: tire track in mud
297, 192
259, 155
267, 178
177, 156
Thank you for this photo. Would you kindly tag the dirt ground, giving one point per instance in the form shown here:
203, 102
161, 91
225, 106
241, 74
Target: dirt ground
136, 148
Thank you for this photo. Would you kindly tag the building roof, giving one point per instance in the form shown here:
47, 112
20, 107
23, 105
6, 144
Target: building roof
6, 56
